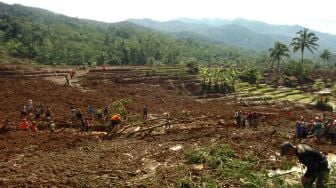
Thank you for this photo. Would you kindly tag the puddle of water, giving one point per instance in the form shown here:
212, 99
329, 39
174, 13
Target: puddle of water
176, 148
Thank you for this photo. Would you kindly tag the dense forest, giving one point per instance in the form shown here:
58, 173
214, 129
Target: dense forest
45, 37
50, 38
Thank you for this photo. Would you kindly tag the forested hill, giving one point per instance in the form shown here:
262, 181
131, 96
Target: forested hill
246, 33
51, 38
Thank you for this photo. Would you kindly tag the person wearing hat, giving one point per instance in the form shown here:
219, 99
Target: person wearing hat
314, 160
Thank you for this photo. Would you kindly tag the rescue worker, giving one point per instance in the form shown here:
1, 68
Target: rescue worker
299, 130
72, 74
115, 121
52, 127
318, 128
238, 118
73, 115
37, 113
99, 113
79, 114
90, 111
167, 120
24, 112
145, 112
67, 82
47, 113
315, 161
332, 132
24, 125
85, 125
30, 106
106, 111
34, 127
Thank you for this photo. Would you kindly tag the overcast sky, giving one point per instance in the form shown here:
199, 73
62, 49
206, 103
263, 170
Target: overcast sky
315, 14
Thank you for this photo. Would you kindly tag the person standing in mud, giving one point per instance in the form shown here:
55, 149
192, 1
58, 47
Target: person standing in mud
79, 114
24, 112
314, 160
145, 112
85, 125
33, 126
332, 132
115, 121
91, 111
249, 118
318, 128
238, 118
67, 82
47, 113
30, 106
38, 113
106, 112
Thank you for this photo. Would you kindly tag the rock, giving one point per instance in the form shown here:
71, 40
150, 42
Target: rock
221, 122
197, 167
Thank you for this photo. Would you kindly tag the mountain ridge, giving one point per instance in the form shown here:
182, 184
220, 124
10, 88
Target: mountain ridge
260, 35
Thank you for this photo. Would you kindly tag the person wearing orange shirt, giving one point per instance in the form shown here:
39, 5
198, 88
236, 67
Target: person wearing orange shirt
115, 121
24, 125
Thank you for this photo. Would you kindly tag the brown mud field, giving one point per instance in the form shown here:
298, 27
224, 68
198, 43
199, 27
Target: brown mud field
70, 158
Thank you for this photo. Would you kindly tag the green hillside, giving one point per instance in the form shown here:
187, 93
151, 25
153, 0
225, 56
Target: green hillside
50, 38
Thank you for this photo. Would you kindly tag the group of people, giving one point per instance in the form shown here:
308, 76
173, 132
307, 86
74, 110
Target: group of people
317, 127
31, 115
92, 114
249, 119
42, 113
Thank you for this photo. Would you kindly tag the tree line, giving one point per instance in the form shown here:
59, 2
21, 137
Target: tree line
48, 38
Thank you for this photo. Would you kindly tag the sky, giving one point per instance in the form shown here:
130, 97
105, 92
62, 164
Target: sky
314, 14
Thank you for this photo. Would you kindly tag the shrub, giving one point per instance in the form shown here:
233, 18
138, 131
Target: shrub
196, 157
323, 106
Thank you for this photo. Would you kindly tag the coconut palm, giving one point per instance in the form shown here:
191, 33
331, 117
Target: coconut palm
279, 51
325, 56
304, 40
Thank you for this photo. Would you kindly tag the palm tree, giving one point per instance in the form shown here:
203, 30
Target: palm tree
303, 40
325, 56
280, 50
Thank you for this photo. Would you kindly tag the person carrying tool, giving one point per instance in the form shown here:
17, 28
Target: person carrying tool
314, 160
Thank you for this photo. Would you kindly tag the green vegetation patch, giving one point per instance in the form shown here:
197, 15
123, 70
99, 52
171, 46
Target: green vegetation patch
226, 163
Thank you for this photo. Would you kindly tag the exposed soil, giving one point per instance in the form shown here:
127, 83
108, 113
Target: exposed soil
69, 158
